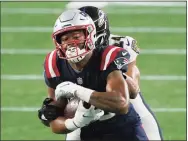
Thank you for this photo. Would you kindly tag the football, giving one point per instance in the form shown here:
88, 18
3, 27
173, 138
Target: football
71, 108
61, 103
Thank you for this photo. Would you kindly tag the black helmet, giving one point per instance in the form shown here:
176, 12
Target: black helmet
101, 23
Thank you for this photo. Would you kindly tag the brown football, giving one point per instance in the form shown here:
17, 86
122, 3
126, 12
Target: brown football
71, 108
61, 103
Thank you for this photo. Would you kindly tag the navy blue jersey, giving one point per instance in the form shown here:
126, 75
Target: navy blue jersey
93, 75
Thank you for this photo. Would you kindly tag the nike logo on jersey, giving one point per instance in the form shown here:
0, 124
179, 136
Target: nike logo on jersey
124, 53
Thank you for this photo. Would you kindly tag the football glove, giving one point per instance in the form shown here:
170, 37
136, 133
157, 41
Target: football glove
48, 112
65, 89
68, 89
84, 115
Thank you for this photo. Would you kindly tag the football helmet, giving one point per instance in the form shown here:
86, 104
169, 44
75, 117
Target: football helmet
73, 20
101, 23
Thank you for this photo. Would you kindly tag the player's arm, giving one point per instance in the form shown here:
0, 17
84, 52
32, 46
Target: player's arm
51, 85
51, 113
58, 126
116, 97
51, 93
61, 125
57, 112
132, 75
134, 72
132, 79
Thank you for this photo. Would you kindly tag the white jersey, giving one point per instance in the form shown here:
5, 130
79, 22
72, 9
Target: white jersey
127, 43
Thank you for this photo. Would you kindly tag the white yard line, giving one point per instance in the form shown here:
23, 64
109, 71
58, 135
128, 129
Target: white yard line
145, 11
22, 77
125, 3
107, 10
169, 109
163, 51
25, 51
163, 77
154, 4
113, 29
45, 51
143, 77
34, 109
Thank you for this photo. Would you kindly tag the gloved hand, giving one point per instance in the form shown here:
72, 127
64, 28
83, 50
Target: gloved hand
68, 89
84, 115
65, 89
48, 112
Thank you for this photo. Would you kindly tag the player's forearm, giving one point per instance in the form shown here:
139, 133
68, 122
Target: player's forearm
134, 73
51, 93
58, 126
115, 99
109, 101
133, 87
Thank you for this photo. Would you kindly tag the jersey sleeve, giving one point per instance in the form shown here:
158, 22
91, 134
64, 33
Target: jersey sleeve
51, 72
126, 42
50, 82
114, 58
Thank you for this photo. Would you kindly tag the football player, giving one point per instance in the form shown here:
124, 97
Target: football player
104, 38
76, 69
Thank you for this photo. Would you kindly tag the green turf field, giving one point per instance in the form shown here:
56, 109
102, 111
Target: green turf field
167, 94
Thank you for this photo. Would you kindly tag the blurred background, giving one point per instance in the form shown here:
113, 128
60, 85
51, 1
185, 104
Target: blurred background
26, 28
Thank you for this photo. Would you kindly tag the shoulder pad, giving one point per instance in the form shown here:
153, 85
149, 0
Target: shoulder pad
109, 54
130, 43
126, 42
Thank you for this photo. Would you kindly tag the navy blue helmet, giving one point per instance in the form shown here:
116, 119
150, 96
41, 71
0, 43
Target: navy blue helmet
101, 23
